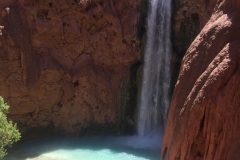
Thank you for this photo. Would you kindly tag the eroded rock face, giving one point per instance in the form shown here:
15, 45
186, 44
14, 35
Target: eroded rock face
203, 121
62, 61
189, 18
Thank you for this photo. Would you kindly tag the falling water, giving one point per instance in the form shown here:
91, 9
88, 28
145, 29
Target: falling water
154, 100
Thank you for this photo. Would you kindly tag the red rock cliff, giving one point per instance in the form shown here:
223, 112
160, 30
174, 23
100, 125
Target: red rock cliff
204, 116
189, 17
62, 61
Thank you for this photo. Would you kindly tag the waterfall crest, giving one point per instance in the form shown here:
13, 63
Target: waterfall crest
154, 100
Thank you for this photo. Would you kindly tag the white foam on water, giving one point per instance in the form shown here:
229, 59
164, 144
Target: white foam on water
151, 141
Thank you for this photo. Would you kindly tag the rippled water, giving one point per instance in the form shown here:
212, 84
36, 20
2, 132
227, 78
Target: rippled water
95, 148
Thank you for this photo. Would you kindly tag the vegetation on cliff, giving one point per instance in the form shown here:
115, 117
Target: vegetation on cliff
8, 130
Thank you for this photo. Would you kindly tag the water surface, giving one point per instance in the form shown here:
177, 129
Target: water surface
91, 148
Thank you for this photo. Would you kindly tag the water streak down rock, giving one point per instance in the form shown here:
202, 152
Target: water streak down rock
203, 121
154, 100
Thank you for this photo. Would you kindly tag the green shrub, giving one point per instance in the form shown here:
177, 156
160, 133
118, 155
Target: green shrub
8, 130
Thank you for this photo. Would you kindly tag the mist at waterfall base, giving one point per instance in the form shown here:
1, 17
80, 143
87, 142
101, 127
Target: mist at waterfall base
90, 148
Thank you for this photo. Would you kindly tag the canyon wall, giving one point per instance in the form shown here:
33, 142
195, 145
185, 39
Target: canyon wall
62, 62
203, 120
189, 17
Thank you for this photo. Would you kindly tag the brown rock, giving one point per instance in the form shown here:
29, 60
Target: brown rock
62, 63
203, 121
189, 18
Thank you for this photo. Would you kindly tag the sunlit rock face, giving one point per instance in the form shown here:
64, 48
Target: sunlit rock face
62, 61
203, 121
188, 19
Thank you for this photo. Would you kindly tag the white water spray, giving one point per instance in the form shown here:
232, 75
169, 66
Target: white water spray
154, 100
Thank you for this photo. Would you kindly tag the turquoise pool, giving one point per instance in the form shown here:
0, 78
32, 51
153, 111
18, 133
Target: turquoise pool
91, 148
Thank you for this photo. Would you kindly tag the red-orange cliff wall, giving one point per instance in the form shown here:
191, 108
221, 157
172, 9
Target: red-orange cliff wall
62, 62
204, 117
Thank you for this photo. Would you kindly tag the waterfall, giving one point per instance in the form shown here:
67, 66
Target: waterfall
154, 100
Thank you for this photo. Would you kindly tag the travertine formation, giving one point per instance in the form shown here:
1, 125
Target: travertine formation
62, 61
204, 117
